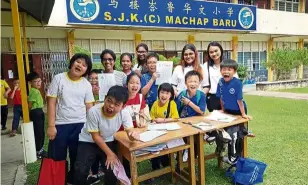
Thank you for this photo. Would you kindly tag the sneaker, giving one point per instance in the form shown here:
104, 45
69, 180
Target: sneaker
250, 134
41, 154
185, 155
93, 179
13, 133
226, 160
3, 128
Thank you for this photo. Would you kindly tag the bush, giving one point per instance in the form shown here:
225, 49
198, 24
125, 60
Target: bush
242, 72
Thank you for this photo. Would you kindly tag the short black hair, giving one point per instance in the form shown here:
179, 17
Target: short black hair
119, 93
126, 54
150, 55
142, 45
82, 56
130, 76
229, 63
192, 73
97, 71
32, 76
168, 88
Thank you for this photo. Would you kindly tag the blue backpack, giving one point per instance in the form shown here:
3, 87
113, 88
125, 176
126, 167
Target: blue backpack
248, 171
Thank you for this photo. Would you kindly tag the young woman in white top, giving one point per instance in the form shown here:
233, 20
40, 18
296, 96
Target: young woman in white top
108, 58
189, 61
142, 51
212, 68
126, 60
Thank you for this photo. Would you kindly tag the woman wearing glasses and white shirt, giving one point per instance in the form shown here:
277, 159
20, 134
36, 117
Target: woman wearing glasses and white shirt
212, 68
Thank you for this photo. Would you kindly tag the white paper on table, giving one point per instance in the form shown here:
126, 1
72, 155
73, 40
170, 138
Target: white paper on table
164, 126
175, 143
105, 81
164, 69
219, 116
150, 135
204, 126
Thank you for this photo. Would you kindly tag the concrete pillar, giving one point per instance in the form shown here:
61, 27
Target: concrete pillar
270, 43
234, 44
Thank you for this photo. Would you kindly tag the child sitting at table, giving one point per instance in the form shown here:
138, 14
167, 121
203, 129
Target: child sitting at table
96, 137
230, 92
163, 110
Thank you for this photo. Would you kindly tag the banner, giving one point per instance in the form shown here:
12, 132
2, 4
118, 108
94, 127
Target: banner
188, 14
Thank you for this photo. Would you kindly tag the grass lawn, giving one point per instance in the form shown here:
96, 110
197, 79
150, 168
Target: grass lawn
282, 143
296, 90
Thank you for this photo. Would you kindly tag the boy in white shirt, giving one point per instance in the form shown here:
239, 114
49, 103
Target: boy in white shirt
96, 137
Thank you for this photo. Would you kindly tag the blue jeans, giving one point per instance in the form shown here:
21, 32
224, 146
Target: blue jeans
17, 110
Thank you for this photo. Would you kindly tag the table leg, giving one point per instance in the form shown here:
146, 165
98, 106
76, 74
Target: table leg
180, 161
191, 161
133, 169
201, 162
172, 165
245, 144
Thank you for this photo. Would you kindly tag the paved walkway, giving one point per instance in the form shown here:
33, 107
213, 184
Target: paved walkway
251, 90
12, 159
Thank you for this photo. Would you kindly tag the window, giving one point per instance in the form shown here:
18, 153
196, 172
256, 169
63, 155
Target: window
287, 5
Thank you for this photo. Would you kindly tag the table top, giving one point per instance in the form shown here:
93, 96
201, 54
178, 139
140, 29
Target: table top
186, 130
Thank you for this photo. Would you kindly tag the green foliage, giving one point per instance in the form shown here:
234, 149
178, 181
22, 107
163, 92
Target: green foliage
78, 49
242, 72
284, 60
174, 59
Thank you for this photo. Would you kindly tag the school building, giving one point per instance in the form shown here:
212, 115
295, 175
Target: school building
247, 33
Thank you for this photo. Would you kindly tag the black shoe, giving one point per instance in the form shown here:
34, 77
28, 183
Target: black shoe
93, 180
4, 128
42, 154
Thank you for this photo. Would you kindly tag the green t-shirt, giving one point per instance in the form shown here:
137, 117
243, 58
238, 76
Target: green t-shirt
36, 98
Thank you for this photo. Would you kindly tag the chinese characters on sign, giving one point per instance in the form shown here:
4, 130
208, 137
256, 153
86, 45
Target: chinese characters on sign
189, 14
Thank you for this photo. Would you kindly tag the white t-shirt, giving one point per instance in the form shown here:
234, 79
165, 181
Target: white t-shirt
107, 127
178, 78
72, 97
215, 76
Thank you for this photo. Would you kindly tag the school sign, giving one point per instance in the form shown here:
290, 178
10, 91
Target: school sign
188, 14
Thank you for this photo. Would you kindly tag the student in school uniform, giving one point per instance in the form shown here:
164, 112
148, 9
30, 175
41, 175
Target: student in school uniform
230, 90
148, 80
212, 68
37, 115
5, 90
142, 51
163, 110
126, 60
69, 98
96, 137
15, 95
230, 93
189, 62
93, 79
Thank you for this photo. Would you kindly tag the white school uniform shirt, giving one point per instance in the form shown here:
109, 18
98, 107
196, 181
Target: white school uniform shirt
214, 74
178, 78
72, 97
106, 126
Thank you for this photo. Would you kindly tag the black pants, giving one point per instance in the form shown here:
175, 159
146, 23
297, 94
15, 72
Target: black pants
4, 112
212, 102
161, 160
86, 155
37, 116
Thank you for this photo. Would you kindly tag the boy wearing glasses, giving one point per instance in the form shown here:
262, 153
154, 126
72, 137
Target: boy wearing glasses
37, 115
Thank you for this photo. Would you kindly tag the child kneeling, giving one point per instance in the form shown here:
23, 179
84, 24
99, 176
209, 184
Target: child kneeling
96, 137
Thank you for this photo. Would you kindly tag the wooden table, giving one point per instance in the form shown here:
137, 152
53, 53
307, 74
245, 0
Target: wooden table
127, 150
218, 125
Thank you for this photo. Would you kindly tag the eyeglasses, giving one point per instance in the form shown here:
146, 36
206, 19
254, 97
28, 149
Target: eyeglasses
108, 60
141, 52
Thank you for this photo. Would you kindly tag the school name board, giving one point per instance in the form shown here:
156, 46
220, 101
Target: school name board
188, 14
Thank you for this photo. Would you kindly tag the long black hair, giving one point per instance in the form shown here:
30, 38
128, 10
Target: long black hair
210, 60
168, 88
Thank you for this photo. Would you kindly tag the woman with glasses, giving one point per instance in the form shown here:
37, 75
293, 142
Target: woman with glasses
142, 51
